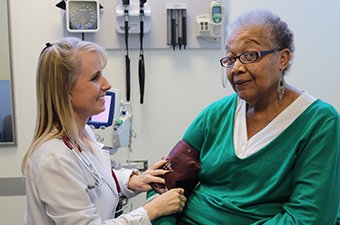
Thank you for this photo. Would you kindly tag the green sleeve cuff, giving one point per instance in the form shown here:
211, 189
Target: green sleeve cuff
150, 193
165, 220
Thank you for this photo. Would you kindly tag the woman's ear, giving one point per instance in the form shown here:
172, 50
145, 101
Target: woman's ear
70, 96
284, 58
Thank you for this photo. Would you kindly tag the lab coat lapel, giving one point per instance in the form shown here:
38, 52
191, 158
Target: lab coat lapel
102, 159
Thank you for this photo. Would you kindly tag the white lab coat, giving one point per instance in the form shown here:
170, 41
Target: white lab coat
57, 193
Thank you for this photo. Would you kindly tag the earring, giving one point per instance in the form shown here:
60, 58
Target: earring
281, 87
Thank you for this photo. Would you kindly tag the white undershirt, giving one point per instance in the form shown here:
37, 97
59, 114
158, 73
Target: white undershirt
244, 147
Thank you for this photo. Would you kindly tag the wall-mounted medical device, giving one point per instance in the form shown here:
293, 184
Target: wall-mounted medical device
133, 9
122, 128
209, 26
176, 25
111, 34
82, 16
112, 127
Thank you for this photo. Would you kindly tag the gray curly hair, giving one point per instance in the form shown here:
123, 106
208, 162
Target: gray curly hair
279, 35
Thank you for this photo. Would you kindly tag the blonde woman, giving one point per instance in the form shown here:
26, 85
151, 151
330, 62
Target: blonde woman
69, 179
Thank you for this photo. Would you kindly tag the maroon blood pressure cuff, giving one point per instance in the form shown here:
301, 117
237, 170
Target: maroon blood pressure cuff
183, 165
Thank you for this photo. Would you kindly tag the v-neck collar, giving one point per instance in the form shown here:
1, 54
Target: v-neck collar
244, 147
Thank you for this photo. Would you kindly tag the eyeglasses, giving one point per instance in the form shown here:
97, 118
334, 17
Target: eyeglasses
245, 58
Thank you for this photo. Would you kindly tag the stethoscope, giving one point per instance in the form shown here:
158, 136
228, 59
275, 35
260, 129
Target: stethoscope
98, 180
85, 160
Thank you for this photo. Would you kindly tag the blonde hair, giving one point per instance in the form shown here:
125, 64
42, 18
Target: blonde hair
58, 68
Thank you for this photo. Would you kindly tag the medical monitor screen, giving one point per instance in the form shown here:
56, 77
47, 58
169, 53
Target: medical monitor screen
217, 10
105, 118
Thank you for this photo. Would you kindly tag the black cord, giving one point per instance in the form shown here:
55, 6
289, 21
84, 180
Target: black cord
127, 59
141, 64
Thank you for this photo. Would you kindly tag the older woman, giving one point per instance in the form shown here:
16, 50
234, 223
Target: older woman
270, 153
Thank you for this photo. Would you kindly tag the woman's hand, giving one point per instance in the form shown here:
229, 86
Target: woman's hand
142, 181
168, 203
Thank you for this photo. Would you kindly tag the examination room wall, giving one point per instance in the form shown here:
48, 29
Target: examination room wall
179, 84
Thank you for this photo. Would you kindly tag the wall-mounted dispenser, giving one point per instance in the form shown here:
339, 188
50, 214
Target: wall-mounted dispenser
209, 26
177, 25
134, 18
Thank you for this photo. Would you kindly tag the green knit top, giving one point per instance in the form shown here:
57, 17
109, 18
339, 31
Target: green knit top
294, 179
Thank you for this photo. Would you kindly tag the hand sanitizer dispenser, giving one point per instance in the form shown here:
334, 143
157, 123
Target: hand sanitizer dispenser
209, 26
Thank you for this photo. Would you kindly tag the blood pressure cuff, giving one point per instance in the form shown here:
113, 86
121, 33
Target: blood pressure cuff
183, 165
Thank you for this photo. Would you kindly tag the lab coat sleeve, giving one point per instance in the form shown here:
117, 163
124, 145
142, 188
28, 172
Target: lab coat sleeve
123, 176
62, 189
135, 217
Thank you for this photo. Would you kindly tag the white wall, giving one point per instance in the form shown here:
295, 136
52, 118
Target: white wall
4, 59
178, 84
